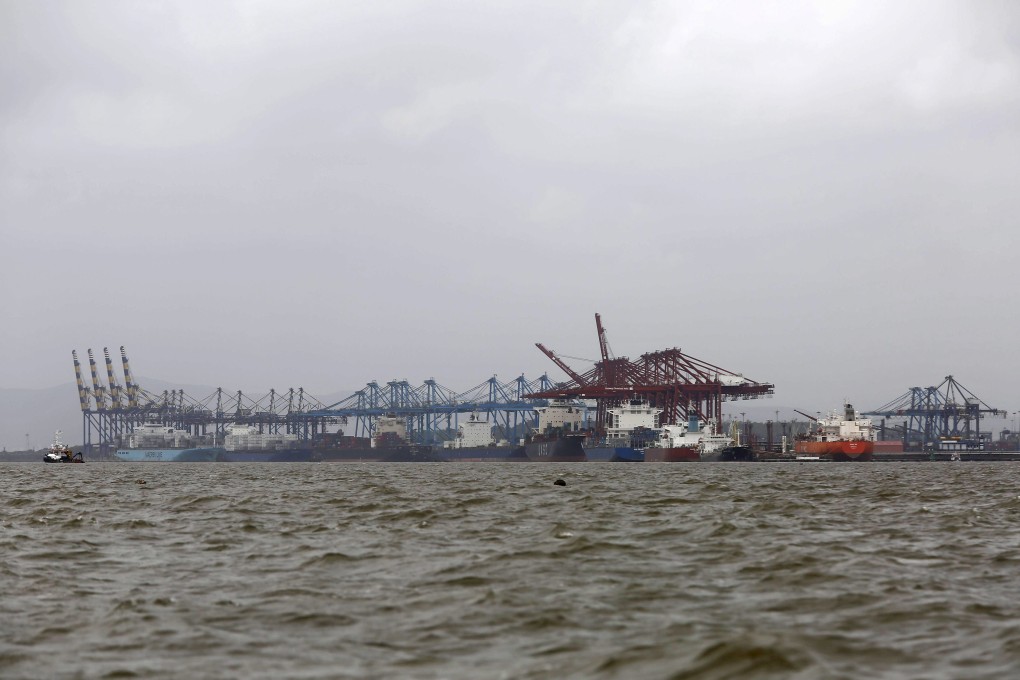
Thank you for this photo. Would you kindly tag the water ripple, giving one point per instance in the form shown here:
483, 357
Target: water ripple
489, 570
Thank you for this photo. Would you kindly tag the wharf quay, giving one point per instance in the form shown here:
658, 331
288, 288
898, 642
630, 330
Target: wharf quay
903, 457
962, 456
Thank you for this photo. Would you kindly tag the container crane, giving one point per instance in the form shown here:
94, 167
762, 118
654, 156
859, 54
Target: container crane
112, 381
129, 382
559, 362
97, 388
83, 395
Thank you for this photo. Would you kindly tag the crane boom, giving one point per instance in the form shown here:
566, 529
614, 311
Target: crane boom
559, 362
603, 342
97, 388
129, 382
112, 380
83, 395
807, 416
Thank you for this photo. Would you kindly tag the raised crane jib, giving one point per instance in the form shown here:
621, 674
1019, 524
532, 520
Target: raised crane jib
603, 342
99, 394
556, 360
83, 395
807, 416
112, 380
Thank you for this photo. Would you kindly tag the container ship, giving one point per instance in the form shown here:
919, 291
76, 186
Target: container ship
157, 443
559, 437
475, 443
839, 437
389, 444
245, 444
630, 428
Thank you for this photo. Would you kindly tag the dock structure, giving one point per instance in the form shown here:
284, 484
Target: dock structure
110, 412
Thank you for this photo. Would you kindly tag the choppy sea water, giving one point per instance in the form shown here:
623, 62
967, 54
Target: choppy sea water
481, 570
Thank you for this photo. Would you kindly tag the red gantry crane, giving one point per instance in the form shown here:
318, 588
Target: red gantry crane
669, 379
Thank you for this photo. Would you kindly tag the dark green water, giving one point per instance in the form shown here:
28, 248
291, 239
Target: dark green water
490, 571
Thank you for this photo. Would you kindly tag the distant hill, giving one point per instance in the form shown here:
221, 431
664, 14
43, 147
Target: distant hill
38, 413
28, 418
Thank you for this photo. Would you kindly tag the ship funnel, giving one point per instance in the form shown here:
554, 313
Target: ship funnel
692, 421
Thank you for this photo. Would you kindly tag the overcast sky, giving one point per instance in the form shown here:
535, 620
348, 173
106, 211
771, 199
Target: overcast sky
822, 195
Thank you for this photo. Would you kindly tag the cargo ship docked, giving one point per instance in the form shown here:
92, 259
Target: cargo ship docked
389, 444
839, 437
695, 441
630, 428
559, 437
245, 444
475, 443
157, 443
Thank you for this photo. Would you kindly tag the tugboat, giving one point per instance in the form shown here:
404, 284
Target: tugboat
61, 453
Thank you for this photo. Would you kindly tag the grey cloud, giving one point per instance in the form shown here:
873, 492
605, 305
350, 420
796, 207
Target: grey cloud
816, 194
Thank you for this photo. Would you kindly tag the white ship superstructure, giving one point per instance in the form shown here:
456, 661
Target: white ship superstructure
694, 434
845, 425
473, 432
622, 420
564, 415
248, 438
389, 427
158, 436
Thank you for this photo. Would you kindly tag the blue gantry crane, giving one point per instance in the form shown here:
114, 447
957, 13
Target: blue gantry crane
945, 415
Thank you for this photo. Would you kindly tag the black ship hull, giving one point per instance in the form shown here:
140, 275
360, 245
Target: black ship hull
568, 449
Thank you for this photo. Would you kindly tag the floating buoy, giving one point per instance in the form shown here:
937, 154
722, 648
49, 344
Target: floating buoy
560, 482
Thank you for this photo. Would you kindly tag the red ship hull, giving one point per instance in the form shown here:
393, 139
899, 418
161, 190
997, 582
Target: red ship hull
839, 450
682, 454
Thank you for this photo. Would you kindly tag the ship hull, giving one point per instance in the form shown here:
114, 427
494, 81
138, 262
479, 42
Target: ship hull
378, 454
569, 449
613, 454
482, 454
214, 454
209, 454
839, 450
303, 455
679, 454
730, 454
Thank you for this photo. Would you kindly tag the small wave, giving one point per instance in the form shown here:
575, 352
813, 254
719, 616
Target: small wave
753, 656
328, 559
317, 620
